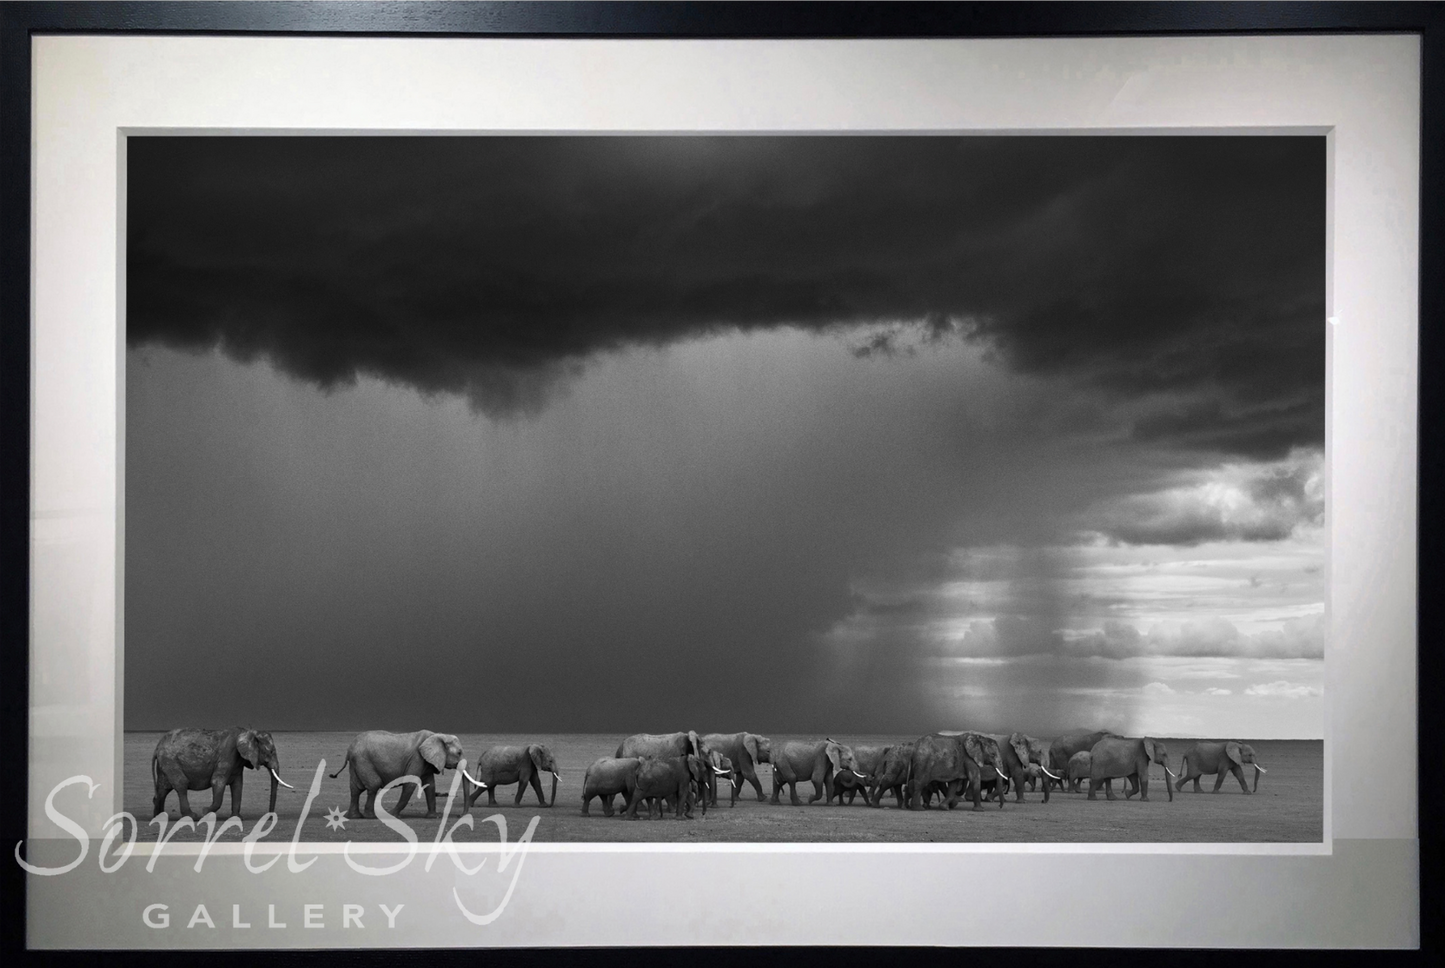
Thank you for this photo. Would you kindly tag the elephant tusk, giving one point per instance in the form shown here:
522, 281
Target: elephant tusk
1047, 773
1169, 771
721, 772
281, 781
1260, 768
475, 781
555, 774
860, 776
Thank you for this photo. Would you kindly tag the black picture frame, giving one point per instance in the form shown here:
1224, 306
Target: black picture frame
21, 21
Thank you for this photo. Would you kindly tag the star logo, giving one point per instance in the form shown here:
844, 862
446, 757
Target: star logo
335, 820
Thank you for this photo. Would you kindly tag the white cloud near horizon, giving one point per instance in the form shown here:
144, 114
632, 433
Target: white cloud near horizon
1250, 502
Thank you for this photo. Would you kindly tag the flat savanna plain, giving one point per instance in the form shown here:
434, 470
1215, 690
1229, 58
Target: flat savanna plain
1289, 806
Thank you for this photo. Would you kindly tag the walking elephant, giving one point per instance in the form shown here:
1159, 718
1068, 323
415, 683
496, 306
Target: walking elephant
721, 766
669, 780
746, 750
868, 760
893, 774
606, 778
377, 757
957, 760
522, 765
1019, 752
1220, 759
817, 761
1118, 757
214, 759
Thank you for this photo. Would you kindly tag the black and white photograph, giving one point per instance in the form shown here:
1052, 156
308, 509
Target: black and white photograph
777, 488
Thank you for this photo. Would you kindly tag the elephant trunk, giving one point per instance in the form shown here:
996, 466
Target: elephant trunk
275, 779
1169, 783
1257, 771
553, 798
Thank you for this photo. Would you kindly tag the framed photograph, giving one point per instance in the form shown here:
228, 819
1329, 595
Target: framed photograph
503, 476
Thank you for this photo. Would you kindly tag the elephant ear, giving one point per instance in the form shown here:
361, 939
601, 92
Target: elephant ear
1231, 750
750, 743
538, 755
974, 749
835, 756
247, 746
434, 751
1151, 749
1020, 746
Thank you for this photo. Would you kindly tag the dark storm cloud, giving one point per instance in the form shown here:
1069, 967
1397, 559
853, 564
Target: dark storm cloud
493, 267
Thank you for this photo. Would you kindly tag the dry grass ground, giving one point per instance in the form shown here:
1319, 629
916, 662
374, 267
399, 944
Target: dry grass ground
1288, 806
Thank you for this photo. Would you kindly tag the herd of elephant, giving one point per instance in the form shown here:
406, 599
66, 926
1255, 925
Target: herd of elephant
678, 771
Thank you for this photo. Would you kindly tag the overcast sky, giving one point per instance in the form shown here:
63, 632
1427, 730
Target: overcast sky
787, 434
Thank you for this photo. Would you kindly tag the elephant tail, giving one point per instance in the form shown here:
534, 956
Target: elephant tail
156, 779
344, 760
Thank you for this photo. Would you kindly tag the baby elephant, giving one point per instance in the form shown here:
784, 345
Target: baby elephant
522, 765
669, 780
1078, 771
1220, 759
606, 778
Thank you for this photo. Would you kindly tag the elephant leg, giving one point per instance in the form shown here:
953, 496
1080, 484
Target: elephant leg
1109, 789
793, 793
818, 789
163, 790
371, 794
975, 778
184, 800
537, 788
752, 777
354, 812
218, 793
405, 799
1196, 783
236, 796
1218, 781
429, 791
1239, 775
